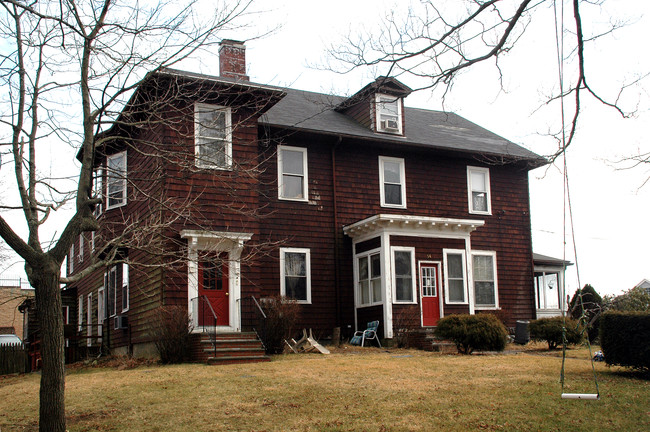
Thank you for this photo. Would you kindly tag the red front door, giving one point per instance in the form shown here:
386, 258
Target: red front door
429, 287
213, 285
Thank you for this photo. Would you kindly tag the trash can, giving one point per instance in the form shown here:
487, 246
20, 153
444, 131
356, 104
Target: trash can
522, 335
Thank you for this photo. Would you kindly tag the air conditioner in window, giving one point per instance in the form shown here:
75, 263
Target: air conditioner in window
389, 125
121, 322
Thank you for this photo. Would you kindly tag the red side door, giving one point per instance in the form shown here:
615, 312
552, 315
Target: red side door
429, 286
214, 285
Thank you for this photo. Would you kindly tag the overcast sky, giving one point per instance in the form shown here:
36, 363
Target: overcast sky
610, 209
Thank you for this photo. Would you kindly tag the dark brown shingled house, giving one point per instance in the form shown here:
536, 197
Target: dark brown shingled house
358, 207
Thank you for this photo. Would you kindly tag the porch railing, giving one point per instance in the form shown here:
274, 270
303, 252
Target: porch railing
205, 318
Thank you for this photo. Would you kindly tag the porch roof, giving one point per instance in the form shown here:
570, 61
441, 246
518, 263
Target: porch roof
411, 224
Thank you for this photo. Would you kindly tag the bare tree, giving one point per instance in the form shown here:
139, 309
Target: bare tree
69, 70
434, 42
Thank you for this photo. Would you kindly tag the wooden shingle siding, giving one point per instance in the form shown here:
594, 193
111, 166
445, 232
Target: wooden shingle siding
343, 188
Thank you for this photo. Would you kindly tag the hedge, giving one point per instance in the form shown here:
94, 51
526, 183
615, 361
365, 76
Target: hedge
624, 339
550, 330
473, 332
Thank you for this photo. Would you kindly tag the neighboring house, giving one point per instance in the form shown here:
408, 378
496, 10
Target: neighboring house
358, 207
12, 294
645, 284
550, 297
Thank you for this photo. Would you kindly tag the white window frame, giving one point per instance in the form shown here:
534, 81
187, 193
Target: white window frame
470, 190
98, 190
379, 112
92, 242
80, 255
101, 311
89, 320
411, 250
445, 254
402, 175
199, 162
307, 253
117, 178
66, 314
126, 294
492, 254
305, 176
367, 255
80, 313
71, 259
111, 308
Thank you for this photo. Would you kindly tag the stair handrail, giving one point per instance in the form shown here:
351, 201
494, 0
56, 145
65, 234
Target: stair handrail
213, 335
259, 307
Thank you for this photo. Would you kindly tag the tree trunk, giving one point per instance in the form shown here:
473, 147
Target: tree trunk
50, 319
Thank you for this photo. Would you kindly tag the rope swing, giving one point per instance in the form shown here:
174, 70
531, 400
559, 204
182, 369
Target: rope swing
583, 321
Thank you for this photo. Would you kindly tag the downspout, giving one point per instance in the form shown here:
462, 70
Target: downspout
337, 242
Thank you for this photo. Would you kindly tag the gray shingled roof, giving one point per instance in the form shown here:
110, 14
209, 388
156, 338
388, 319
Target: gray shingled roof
314, 112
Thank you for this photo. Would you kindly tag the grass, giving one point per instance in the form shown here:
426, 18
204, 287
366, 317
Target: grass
350, 390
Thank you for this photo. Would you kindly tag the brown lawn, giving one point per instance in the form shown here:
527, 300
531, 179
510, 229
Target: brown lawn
351, 390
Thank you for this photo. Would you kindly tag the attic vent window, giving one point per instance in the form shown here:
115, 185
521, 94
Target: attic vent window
389, 114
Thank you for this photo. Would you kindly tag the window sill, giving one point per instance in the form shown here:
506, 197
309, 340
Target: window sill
115, 206
487, 213
369, 305
395, 206
303, 200
214, 167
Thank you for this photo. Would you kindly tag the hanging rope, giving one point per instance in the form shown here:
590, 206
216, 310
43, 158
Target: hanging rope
567, 209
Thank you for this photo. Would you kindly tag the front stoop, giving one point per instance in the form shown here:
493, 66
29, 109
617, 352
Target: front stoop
228, 348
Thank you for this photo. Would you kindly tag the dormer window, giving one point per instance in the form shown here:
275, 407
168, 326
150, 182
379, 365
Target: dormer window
389, 114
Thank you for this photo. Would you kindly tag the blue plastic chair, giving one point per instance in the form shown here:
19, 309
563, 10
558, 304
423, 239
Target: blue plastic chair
360, 337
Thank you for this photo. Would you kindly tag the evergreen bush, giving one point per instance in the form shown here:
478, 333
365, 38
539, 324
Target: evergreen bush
624, 339
473, 332
588, 310
549, 330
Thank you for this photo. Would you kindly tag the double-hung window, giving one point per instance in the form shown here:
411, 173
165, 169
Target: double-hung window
369, 278
484, 265
478, 186
98, 191
403, 274
292, 173
392, 182
111, 287
89, 319
125, 287
295, 274
455, 281
389, 114
71, 260
80, 313
116, 281
116, 180
212, 136
81, 248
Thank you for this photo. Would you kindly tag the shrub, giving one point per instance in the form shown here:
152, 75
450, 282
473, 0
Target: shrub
635, 299
281, 316
592, 303
624, 339
550, 331
170, 329
473, 332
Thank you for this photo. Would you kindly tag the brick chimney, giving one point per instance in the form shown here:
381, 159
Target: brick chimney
232, 59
